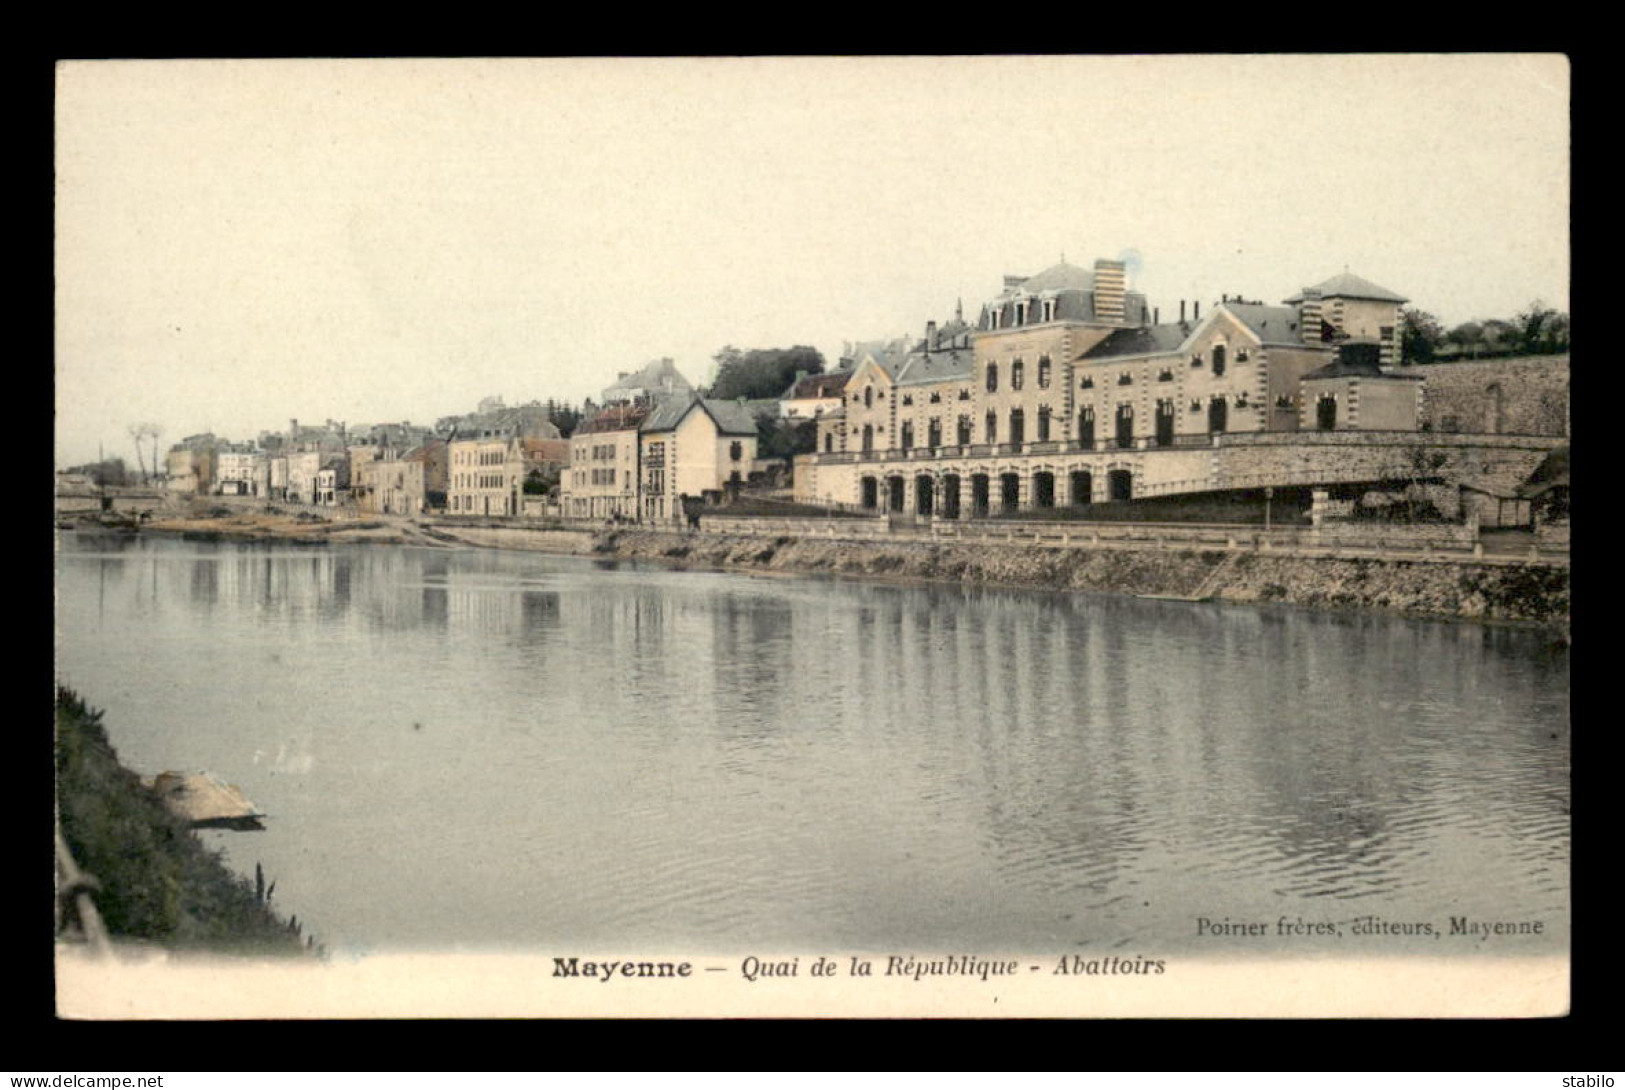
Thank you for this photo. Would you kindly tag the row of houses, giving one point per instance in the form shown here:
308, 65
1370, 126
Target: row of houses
483, 462
1065, 375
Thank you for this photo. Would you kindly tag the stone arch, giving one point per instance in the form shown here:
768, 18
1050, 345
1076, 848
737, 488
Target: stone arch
1120, 485
869, 493
1082, 487
1009, 491
925, 489
1044, 487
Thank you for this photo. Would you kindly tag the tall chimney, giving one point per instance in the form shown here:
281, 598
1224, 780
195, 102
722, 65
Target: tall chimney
1196, 314
1156, 316
1109, 289
1309, 320
1182, 312
931, 336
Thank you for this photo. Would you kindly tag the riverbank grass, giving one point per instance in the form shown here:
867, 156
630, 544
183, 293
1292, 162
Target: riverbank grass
157, 882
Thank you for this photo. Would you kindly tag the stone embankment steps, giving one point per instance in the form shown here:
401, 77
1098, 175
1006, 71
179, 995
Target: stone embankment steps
1210, 583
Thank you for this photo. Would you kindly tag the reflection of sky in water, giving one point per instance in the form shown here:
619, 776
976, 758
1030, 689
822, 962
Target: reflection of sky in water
478, 748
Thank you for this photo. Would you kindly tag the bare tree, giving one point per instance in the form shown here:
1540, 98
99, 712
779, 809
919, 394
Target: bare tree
155, 431
137, 433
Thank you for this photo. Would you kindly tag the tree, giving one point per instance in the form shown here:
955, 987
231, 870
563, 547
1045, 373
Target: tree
107, 472
1499, 337
1416, 466
1420, 336
779, 438
564, 417
1469, 337
1541, 330
139, 432
762, 372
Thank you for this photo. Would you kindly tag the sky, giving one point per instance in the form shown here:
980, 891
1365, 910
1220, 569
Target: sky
242, 243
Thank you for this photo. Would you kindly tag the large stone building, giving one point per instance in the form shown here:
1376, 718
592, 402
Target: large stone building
407, 482
487, 457
658, 380
640, 462
601, 481
690, 447
241, 470
1065, 385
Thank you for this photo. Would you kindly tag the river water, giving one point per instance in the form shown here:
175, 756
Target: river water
479, 750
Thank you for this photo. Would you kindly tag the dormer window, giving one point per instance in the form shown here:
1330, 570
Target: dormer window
1021, 313
1049, 310
993, 318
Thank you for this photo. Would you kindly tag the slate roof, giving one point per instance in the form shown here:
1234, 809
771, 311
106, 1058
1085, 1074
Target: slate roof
1151, 340
1071, 304
732, 417
1058, 277
1272, 325
1348, 286
661, 374
1504, 477
1553, 472
829, 384
920, 368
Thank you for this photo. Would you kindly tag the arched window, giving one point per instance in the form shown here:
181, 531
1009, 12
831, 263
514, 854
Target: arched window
868, 397
736, 450
1218, 359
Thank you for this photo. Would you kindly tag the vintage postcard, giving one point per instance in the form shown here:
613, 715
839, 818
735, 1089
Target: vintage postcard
1062, 536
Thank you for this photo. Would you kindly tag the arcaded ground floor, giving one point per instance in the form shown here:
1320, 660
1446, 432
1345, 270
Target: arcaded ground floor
969, 482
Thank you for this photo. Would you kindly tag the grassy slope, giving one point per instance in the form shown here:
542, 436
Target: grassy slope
159, 883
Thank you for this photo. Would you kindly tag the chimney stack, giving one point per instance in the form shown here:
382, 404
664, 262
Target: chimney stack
1309, 319
1156, 316
931, 336
1196, 315
1182, 312
1110, 286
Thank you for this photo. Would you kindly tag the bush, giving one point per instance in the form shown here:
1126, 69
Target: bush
157, 880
